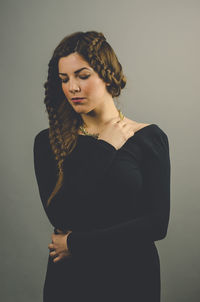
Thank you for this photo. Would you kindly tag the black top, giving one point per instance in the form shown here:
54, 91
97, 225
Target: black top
108, 194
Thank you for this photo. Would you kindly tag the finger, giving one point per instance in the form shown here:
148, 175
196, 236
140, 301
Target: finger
56, 259
59, 231
50, 246
53, 254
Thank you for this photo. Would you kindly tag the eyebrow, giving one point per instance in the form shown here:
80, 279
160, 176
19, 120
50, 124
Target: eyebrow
77, 71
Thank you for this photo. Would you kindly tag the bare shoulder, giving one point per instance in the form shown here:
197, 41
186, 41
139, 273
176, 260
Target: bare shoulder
137, 126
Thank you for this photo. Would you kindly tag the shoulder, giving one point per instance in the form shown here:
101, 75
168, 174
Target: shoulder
136, 125
149, 136
41, 139
145, 127
43, 134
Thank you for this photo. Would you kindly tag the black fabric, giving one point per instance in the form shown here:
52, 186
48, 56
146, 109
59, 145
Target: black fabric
117, 203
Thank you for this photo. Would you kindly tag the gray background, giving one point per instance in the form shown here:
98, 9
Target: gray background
157, 43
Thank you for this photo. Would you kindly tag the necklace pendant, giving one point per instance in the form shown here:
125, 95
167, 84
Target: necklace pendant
83, 130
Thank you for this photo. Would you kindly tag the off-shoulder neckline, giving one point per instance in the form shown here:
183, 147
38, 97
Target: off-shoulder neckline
144, 129
136, 133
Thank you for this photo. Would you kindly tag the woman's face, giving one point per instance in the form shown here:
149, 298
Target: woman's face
80, 80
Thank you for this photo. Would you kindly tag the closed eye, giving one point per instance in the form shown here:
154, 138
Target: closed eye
81, 77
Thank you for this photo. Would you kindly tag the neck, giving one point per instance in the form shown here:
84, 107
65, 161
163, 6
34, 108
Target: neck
95, 120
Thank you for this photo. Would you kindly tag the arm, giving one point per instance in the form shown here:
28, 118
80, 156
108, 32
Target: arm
85, 165
45, 169
154, 223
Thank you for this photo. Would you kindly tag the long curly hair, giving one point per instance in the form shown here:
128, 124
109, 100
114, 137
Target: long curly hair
64, 121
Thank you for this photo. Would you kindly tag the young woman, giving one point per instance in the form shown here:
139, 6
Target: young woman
103, 179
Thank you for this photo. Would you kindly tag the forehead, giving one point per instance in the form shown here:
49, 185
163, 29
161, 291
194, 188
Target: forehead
71, 63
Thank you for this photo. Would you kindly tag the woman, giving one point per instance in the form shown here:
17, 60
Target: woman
103, 179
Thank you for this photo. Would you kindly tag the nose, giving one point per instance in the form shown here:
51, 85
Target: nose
73, 86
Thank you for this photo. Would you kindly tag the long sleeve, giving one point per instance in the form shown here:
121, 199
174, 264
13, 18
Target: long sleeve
45, 168
83, 170
153, 224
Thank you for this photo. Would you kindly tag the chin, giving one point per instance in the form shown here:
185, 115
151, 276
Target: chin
79, 109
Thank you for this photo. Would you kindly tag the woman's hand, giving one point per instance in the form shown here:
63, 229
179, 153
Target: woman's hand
58, 248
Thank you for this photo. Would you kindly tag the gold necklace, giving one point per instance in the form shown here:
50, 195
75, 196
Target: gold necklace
96, 135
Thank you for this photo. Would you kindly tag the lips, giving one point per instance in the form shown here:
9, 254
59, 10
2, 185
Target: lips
77, 99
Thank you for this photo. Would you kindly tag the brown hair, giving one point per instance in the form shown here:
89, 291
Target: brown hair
64, 121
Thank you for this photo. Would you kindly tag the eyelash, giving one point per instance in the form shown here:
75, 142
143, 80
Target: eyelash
81, 77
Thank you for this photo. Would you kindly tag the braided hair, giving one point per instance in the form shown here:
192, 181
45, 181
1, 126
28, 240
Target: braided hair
64, 121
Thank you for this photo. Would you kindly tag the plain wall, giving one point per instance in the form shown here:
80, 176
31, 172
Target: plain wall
157, 43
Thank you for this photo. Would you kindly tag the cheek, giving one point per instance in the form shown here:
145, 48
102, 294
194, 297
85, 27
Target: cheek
65, 90
95, 86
